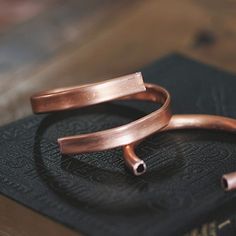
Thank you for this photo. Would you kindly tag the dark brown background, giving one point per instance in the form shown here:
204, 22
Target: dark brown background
50, 43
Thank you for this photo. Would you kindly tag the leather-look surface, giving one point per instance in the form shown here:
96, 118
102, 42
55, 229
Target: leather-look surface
94, 193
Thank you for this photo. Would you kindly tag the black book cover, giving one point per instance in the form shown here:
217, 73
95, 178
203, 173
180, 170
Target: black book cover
95, 194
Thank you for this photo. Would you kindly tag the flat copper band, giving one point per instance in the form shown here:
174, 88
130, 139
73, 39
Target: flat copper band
124, 134
85, 95
138, 166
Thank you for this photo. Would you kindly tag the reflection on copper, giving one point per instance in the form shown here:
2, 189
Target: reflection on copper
187, 122
86, 95
124, 134
126, 87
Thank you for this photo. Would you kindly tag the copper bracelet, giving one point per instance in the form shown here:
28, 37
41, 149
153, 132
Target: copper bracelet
59, 99
188, 122
126, 87
85, 95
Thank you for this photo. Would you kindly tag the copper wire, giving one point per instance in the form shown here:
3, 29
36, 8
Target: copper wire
187, 122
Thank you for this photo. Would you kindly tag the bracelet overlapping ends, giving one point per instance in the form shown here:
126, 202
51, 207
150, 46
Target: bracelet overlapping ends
126, 87
129, 135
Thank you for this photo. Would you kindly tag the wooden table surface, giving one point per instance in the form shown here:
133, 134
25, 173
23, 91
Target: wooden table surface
52, 43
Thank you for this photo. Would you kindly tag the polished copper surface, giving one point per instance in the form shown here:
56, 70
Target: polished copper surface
85, 95
129, 135
124, 134
138, 166
126, 87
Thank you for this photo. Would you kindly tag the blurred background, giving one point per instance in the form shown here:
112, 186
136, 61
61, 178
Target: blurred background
52, 43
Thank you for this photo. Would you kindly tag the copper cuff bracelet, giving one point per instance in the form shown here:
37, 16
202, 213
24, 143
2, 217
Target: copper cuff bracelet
74, 97
129, 135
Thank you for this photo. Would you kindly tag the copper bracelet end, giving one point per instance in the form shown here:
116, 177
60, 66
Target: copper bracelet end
135, 164
228, 181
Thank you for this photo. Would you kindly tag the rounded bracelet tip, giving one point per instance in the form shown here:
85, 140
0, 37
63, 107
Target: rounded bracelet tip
228, 181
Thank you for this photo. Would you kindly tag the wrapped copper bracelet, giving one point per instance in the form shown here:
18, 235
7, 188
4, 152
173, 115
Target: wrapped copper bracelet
128, 136
127, 87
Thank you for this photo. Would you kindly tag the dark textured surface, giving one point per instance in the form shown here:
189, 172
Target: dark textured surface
94, 194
